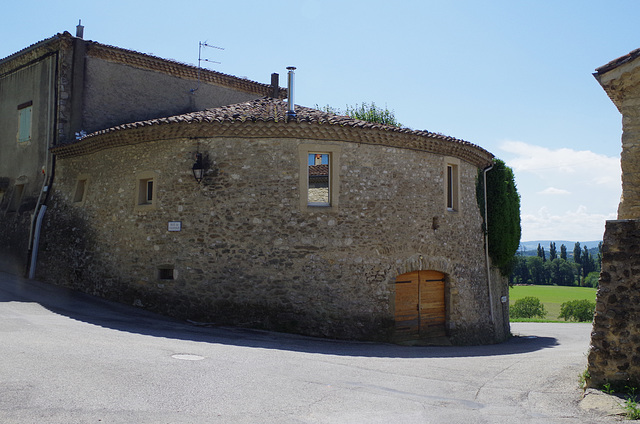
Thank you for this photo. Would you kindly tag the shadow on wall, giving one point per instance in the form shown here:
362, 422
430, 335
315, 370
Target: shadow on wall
11, 265
97, 311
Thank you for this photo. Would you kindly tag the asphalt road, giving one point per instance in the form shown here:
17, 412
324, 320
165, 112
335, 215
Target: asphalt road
72, 358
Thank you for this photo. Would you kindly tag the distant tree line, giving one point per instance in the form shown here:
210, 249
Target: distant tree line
581, 269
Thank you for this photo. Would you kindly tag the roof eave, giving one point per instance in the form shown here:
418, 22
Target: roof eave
164, 130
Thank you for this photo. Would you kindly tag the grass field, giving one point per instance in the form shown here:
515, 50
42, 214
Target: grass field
552, 297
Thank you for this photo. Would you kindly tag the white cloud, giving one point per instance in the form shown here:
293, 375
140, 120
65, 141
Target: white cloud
578, 225
565, 194
553, 191
562, 162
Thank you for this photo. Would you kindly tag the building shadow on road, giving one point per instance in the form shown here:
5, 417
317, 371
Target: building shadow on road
97, 311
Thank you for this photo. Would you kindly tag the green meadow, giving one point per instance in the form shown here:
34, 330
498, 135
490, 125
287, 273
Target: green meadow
552, 297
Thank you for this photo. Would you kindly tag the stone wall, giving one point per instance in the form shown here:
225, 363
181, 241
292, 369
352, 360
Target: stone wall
615, 340
615, 353
249, 254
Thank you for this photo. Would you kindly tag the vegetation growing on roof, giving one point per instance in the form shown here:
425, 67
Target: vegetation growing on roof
367, 112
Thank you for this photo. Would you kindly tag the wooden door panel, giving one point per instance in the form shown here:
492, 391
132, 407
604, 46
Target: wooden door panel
419, 305
406, 316
432, 306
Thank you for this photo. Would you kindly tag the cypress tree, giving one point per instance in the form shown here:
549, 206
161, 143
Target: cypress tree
503, 208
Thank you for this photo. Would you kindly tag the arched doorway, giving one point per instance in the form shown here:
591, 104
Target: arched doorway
420, 305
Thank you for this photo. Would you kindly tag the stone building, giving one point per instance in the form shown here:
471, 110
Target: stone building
65, 85
298, 221
615, 341
393, 249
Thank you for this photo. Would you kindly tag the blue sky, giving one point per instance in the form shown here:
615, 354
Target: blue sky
514, 77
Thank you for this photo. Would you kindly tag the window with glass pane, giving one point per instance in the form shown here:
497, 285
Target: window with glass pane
319, 177
145, 191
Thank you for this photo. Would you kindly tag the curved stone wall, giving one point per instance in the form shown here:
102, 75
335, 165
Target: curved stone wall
247, 253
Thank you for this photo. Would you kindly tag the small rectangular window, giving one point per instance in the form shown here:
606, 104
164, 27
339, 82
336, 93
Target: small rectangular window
145, 191
146, 196
24, 122
318, 173
166, 273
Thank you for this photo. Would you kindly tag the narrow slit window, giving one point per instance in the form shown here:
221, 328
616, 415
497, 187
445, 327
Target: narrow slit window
149, 197
24, 122
318, 179
452, 187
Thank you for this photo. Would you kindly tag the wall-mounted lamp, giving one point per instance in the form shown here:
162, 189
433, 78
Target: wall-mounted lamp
198, 168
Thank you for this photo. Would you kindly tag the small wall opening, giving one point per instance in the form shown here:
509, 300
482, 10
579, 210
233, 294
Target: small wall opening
16, 199
81, 186
166, 272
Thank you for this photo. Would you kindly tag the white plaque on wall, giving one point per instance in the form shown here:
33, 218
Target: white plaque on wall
175, 226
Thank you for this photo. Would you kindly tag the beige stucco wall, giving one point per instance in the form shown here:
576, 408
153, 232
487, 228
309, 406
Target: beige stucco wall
116, 94
248, 253
24, 164
34, 83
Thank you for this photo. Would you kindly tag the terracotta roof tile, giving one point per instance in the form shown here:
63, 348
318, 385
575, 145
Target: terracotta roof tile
268, 110
619, 61
239, 120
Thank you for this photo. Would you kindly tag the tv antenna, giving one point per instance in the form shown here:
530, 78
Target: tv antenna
202, 44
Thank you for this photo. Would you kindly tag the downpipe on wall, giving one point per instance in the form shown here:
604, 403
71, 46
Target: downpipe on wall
39, 210
36, 241
486, 242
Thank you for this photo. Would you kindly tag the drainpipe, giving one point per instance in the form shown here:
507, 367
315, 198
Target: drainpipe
486, 243
48, 172
36, 240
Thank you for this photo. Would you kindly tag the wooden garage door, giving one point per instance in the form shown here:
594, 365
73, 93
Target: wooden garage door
420, 307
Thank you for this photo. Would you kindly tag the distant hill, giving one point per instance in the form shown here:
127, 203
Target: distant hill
531, 247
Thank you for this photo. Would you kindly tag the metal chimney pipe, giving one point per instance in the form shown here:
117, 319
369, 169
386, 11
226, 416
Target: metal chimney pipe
291, 113
79, 29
